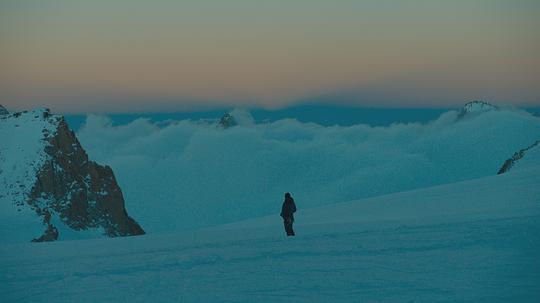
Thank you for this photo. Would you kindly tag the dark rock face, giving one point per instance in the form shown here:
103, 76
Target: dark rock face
227, 121
515, 158
51, 233
82, 193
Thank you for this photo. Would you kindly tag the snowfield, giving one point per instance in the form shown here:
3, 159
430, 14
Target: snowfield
472, 241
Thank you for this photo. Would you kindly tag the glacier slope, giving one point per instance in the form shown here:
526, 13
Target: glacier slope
475, 241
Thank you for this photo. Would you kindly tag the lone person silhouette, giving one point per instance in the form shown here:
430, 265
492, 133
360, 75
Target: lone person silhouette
287, 211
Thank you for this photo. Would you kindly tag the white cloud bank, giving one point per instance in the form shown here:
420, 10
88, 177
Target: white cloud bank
187, 174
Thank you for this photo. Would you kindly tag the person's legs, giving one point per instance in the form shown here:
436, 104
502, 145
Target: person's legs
288, 226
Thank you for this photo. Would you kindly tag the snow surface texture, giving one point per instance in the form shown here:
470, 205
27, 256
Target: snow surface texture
474, 241
23, 139
187, 175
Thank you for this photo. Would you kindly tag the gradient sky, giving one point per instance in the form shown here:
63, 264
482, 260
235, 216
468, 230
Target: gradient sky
126, 56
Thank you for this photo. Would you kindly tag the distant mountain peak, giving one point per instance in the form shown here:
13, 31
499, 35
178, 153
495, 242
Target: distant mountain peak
474, 107
236, 117
227, 121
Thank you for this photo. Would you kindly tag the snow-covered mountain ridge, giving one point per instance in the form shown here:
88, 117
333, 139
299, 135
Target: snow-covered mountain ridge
49, 189
476, 107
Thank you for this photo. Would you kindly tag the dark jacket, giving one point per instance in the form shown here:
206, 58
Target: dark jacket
288, 208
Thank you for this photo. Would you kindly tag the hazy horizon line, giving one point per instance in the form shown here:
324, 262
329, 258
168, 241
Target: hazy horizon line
161, 105
228, 108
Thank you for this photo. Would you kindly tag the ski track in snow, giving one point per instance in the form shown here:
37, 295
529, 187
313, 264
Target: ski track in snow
487, 253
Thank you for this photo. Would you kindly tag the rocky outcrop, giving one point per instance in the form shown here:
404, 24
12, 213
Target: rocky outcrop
475, 107
50, 233
227, 121
509, 163
48, 173
81, 192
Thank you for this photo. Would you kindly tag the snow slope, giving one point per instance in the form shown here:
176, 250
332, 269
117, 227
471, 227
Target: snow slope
474, 241
22, 152
189, 175
23, 137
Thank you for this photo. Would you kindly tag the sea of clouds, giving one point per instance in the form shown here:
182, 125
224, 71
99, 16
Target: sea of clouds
190, 174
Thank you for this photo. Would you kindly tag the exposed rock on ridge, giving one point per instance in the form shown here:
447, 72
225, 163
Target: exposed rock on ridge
227, 121
475, 107
508, 164
70, 190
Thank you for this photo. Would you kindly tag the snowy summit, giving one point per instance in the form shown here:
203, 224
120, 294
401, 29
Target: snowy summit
475, 107
227, 120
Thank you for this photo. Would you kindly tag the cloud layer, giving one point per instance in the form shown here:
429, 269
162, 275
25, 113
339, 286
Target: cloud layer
189, 174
